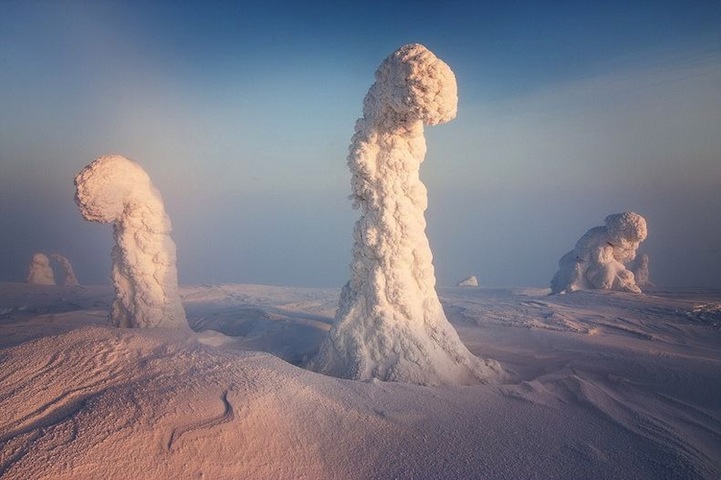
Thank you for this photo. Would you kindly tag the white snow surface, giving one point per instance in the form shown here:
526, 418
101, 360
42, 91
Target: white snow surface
114, 189
390, 324
39, 271
604, 385
599, 258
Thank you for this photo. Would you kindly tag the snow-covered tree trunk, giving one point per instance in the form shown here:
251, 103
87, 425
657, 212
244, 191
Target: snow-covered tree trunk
116, 190
390, 324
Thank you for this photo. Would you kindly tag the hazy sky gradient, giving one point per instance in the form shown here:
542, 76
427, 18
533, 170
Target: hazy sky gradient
242, 114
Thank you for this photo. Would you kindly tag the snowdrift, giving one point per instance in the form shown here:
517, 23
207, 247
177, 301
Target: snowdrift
605, 385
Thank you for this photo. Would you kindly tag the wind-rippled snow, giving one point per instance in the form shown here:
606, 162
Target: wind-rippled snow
605, 385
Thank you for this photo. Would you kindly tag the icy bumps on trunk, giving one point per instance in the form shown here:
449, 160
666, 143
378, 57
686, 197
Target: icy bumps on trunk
116, 190
390, 324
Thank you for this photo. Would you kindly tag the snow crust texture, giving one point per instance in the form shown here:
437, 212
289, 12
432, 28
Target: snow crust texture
600, 257
390, 324
116, 190
606, 385
39, 271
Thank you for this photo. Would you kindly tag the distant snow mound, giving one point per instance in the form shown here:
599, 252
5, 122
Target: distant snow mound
39, 271
599, 258
471, 281
116, 190
390, 324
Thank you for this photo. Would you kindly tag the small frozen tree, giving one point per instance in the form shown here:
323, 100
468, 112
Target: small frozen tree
39, 271
69, 278
639, 267
390, 324
116, 190
599, 258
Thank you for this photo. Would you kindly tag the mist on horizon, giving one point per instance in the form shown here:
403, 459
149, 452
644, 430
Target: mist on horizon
246, 136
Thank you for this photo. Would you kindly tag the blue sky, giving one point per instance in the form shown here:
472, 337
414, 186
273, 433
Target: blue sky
242, 114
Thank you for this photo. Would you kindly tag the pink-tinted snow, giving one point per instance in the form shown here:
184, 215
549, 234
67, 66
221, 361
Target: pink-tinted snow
605, 385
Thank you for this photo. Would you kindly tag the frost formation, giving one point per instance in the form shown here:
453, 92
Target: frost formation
116, 190
599, 259
39, 271
390, 324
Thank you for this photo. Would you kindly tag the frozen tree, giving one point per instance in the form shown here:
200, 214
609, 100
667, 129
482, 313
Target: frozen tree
471, 281
40, 272
116, 190
390, 324
639, 267
599, 259
69, 278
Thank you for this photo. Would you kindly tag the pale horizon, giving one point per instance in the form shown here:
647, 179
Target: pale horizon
243, 117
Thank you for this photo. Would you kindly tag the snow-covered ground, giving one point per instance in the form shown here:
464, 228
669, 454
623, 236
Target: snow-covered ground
605, 385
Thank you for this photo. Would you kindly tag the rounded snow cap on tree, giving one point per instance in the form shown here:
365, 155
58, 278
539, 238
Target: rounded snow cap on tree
627, 226
105, 186
417, 85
